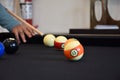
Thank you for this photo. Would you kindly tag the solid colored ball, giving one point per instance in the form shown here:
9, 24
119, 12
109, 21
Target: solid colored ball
59, 42
11, 45
48, 40
73, 50
2, 49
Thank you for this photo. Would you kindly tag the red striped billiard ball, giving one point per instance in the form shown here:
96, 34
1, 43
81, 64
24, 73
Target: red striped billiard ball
59, 42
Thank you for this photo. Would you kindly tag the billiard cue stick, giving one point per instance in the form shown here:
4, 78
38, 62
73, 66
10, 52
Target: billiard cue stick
26, 23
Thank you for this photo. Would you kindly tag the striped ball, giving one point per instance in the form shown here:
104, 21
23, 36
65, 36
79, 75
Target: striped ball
59, 42
73, 50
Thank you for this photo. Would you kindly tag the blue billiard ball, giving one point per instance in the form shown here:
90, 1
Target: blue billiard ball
11, 45
2, 49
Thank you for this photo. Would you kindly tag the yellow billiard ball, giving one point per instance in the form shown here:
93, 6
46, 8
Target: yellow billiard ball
48, 40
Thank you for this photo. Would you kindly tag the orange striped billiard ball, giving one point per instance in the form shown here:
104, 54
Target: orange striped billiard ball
69, 40
59, 42
73, 50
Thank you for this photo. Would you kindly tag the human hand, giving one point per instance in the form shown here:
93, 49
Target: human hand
21, 31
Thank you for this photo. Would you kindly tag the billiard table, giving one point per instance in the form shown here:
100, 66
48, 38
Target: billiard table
35, 61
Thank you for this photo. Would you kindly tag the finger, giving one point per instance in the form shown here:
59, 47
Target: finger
22, 35
31, 31
28, 30
17, 36
28, 33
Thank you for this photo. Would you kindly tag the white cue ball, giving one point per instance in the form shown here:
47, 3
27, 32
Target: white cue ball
48, 40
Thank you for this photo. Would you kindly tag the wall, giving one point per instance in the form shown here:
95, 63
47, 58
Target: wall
56, 16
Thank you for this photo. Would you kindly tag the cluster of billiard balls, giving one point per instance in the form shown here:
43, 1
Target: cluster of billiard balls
9, 46
72, 48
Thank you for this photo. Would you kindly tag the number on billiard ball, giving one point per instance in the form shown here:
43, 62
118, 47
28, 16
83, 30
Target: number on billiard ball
11, 45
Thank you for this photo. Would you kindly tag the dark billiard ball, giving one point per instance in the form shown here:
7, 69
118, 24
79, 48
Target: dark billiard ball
11, 45
2, 49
